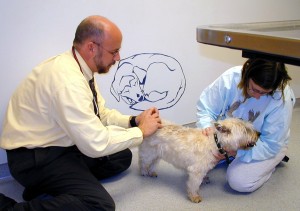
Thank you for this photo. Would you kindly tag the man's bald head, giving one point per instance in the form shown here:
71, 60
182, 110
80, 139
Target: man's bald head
94, 27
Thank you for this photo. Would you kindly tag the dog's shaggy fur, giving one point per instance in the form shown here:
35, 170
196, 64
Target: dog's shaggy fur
187, 148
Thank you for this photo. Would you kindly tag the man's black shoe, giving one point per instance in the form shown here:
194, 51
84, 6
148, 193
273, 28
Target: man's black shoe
6, 202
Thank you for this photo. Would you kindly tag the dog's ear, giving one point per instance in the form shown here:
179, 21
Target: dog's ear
222, 128
249, 131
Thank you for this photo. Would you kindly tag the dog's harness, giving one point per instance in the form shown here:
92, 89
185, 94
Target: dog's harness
221, 150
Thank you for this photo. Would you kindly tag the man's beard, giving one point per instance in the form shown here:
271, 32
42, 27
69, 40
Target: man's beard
102, 68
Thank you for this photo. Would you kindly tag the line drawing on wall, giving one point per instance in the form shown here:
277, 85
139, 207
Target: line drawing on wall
148, 79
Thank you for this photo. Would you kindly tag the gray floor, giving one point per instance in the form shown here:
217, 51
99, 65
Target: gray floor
167, 192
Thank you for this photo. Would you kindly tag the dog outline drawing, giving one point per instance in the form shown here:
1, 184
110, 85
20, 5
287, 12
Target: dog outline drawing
143, 80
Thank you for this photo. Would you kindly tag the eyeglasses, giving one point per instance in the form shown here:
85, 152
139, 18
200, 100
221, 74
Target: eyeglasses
253, 90
113, 53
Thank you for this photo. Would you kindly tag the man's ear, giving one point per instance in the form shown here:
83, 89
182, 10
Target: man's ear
90, 46
222, 128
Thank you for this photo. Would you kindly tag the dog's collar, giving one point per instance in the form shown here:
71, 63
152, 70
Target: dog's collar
220, 148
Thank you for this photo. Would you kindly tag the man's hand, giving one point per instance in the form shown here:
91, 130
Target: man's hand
149, 121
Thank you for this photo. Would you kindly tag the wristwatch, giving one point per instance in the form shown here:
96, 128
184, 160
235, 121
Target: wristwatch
132, 121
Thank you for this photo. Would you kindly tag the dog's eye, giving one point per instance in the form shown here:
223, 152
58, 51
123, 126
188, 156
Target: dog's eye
250, 145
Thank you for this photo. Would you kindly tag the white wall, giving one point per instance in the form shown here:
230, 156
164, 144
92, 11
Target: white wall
32, 31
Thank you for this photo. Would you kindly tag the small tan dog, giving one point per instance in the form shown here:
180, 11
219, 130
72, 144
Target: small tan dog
187, 148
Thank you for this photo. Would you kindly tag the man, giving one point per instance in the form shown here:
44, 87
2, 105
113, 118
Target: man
59, 137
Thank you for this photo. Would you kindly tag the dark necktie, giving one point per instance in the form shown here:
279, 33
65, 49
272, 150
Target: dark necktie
95, 101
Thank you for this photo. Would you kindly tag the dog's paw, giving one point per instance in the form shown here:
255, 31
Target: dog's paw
143, 172
206, 180
195, 198
153, 174
148, 174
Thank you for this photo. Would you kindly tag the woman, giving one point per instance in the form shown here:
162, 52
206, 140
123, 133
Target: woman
257, 92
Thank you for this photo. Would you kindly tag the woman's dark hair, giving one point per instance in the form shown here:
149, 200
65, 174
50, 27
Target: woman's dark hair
266, 74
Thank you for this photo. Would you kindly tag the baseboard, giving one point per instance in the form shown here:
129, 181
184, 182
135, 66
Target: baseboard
191, 124
297, 104
4, 173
